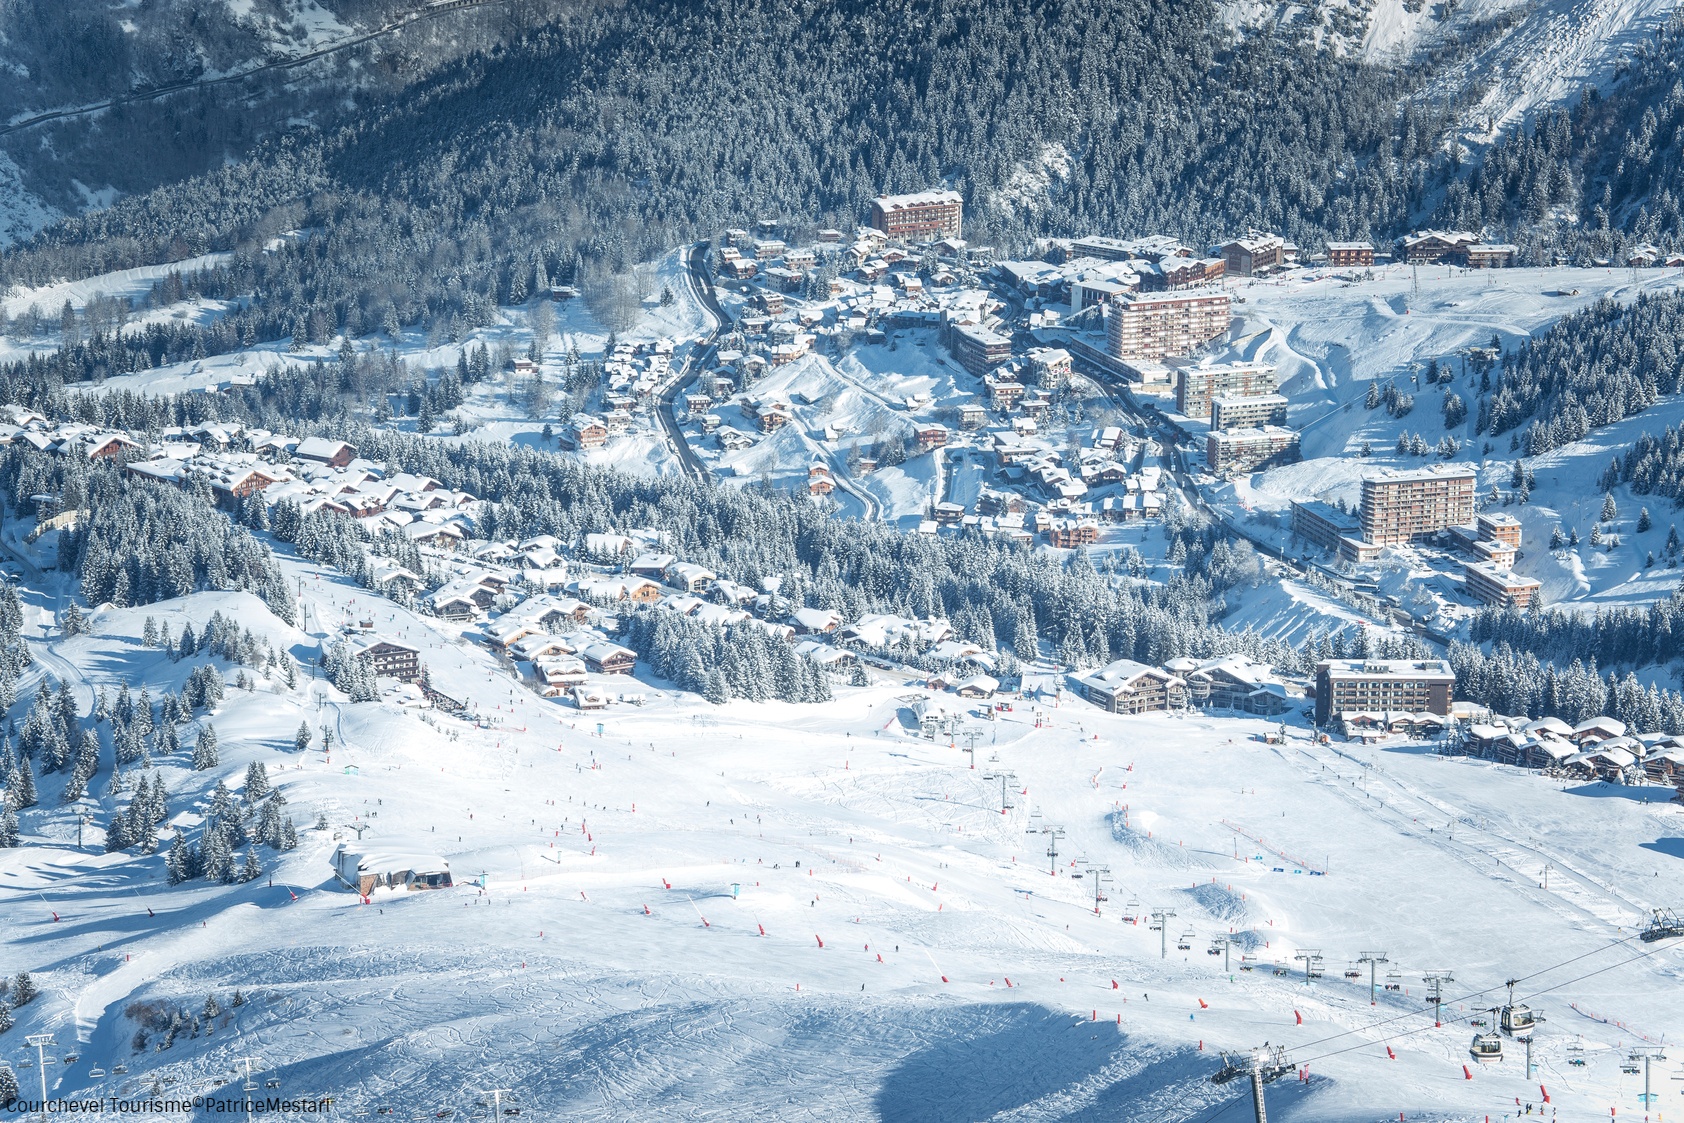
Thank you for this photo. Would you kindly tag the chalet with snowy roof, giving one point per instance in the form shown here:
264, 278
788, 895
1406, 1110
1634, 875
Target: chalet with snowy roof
1350, 255
690, 577
388, 657
604, 658
100, 446
652, 566
1487, 255
558, 674
440, 536
321, 450
584, 432
367, 869
1257, 253
1429, 247
1128, 687
1234, 682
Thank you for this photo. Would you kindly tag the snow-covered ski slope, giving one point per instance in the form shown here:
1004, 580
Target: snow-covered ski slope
807, 912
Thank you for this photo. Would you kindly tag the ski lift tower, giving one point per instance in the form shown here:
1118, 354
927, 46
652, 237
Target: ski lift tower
41, 1041
1373, 959
496, 1095
971, 734
1053, 833
1005, 778
1160, 923
1646, 1055
1263, 1066
1100, 875
250, 1085
1435, 981
1312, 963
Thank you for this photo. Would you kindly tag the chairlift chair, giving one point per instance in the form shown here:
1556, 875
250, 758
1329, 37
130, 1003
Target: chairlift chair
1185, 943
1487, 1047
1351, 972
96, 1073
120, 1070
272, 1082
1631, 1068
72, 1058
1215, 948
1394, 980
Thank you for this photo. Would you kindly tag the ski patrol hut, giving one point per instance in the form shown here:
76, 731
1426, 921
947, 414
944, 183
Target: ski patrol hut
368, 870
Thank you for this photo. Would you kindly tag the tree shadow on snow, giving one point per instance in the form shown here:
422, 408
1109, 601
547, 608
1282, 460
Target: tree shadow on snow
1017, 1054
1671, 847
1638, 793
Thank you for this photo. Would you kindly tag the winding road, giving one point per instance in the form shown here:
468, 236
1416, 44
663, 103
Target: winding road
154, 93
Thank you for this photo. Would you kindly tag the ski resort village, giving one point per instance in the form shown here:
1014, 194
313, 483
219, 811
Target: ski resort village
1310, 612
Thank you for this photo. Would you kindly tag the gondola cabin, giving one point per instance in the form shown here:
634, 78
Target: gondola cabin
1518, 1019
1487, 1047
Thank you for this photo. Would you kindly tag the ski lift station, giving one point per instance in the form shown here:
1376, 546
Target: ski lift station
368, 870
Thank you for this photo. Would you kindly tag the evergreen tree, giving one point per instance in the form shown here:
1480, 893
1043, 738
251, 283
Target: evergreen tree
1609, 510
257, 781
204, 749
301, 739
23, 990
1643, 521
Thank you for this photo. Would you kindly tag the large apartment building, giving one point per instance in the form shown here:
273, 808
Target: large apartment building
1399, 507
1246, 450
978, 349
1382, 685
1152, 325
926, 216
1197, 386
1495, 585
1245, 413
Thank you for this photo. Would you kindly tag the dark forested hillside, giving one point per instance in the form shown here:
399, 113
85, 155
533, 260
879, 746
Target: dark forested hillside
1603, 167
617, 130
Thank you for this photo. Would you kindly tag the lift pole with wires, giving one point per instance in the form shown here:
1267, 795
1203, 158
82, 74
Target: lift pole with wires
1312, 959
1372, 958
1053, 833
1646, 1055
971, 735
1227, 943
1004, 778
1160, 921
496, 1095
250, 1085
41, 1041
1435, 981
1099, 874
1262, 1066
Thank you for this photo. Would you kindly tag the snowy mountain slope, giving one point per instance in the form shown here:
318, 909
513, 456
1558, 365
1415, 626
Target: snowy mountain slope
917, 961
1551, 53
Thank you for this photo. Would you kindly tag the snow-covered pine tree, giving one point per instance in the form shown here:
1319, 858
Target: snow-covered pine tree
179, 861
257, 781
23, 989
204, 749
